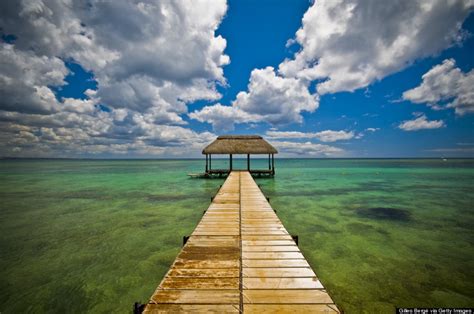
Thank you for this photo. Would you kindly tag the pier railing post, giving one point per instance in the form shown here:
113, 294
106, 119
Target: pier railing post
138, 308
273, 164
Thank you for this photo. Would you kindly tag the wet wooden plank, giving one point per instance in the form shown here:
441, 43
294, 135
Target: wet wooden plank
282, 283
272, 255
220, 219
210, 243
266, 237
197, 296
275, 263
289, 308
261, 220
262, 227
198, 232
208, 256
210, 249
217, 211
221, 210
226, 201
221, 214
267, 243
278, 272
230, 231
270, 248
264, 232
212, 273
229, 194
224, 206
255, 215
220, 224
267, 225
206, 263
199, 283
229, 243
224, 217
256, 207
213, 251
217, 228
218, 240
191, 308
214, 238
286, 296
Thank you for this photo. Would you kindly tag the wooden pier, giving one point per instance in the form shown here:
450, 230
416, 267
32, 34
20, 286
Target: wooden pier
240, 258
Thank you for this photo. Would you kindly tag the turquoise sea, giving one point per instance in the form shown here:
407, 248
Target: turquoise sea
80, 236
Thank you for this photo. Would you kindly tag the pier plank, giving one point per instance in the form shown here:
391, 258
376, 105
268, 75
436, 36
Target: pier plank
187, 283
272, 296
272, 255
197, 296
274, 263
282, 283
191, 308
289, 308
204, 272
270, 248
278, 272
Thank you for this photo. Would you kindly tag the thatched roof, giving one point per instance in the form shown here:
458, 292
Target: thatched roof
239, 144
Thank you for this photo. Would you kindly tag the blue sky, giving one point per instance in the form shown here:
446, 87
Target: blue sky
132, 79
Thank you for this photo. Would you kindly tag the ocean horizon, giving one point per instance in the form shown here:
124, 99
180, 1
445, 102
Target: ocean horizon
254, 157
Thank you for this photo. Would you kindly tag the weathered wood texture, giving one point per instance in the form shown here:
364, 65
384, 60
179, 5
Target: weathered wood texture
240, 258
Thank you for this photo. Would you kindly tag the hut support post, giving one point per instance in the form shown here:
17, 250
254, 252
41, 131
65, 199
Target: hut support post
230, 162
206, 164
210, 162
269, 166
273, 164
248, 162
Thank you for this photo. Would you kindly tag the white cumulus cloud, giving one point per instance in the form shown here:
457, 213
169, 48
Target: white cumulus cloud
150, 59
421, 123
76, 134
350, 44
295, 149
222, 117
323, 136
445, 86
270, 98
25, 80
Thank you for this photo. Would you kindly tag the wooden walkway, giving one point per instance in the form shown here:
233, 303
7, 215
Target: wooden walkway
240, 258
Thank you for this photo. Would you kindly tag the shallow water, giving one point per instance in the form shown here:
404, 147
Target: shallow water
96, 236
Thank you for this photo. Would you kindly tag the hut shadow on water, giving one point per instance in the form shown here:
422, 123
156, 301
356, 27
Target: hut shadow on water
384, 213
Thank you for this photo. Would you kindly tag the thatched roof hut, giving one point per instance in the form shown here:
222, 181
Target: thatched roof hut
239, 144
